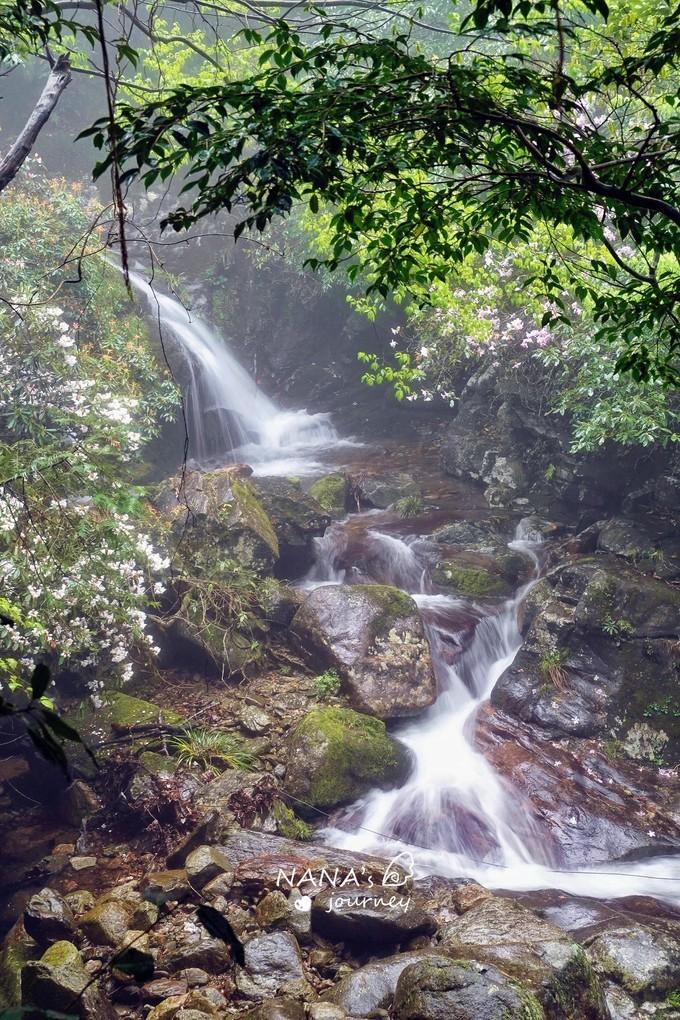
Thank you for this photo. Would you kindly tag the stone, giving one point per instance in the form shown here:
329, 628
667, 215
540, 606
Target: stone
383, 490
196, 948
123, 712
162, 886
195, 977
277, 1009
255, 720
379, 915
204, 864
272, 909
168, 1008
500, 932
297, 519
81, 863
80, 901
373, 636
162, 989
455, 990
372, 987
644, 961
79, 801
106, 923
59, 981
48, 917
273, 965
326, 1011
17, 949
336, 754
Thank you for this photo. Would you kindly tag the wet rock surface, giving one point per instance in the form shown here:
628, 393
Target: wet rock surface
373, 636
336, 754
453, 990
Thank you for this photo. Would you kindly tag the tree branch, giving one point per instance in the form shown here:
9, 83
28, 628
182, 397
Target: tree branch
58, 79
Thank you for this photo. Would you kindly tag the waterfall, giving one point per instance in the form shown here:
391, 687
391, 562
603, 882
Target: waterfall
229, 418
455, 814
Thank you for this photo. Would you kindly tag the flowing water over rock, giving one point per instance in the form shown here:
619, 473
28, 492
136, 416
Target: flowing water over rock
456, 814
228, 416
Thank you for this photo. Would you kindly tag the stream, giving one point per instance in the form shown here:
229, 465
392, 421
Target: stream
455, 815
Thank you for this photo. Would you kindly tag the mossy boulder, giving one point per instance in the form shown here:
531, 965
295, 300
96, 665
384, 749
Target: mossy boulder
546, 961
643, 960
17, 950
437, 989
296, 518
335, 755
219, 517
373, 637
483, 572
600, 658
59, 981
330, 492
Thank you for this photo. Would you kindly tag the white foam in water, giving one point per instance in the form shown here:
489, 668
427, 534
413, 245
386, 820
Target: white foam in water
229, 418
455, 813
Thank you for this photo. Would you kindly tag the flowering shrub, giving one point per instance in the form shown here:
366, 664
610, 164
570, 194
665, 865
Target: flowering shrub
81, 391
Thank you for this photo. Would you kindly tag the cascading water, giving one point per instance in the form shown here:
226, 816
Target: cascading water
228, 415
455, 814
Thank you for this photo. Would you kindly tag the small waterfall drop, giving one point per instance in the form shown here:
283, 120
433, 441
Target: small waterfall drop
229, 418
456, 815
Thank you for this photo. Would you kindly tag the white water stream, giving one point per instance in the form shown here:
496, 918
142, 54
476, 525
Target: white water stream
455, 814
229, 418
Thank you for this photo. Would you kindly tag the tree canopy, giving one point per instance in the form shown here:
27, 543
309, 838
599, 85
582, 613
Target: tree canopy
536, 113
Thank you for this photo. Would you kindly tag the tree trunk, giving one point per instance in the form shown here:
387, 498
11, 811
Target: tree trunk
11, 163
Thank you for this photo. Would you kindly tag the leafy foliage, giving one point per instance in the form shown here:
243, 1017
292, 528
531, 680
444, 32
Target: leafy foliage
79, 395
538, 114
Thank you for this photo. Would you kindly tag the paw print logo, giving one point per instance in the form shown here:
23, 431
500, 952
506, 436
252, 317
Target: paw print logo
303, 903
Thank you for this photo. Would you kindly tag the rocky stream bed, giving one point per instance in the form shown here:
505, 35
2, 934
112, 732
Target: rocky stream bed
398, 583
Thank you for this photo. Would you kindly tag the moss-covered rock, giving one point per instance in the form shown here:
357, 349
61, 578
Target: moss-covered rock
529, 949
289, 825
18, 949
336, 754
297, 519
330, 492
373, 637
383, 490
59, 981
468, 581
124, 712
436, 989
643, 960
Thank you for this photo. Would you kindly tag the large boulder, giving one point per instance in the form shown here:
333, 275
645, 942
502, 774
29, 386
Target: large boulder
59, 981
600, 658
373, 636
642, 960
297, 519
372, 987
331, 493
502, 933
456, 990
273, 966
335, 755
384, 490
375, 915
48, 917
220, 518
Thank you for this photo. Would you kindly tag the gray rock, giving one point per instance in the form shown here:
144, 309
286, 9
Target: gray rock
644, 961
326, 1011
197, 949
107, 923
373, 636
373, 986
380, 915
502, 933
48, 917
255, 720
447, 990
205, 863
163, 886
383, 490
273, 965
